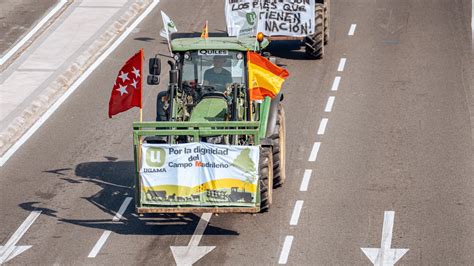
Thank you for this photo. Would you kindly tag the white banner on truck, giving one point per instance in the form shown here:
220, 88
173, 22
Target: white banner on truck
199, 174
287, 17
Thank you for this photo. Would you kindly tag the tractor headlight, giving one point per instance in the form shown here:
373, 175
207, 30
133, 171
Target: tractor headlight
176, 57
240, 56
187, 56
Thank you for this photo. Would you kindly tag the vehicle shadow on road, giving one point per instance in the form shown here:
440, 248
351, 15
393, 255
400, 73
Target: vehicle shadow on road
116, 178
287, 49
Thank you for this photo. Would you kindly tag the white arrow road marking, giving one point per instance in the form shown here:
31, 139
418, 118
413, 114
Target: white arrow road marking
187, 255
103, 238
385, 256
10, 250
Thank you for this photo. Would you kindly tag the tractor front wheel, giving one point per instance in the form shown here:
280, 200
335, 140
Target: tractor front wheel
266, 178
279, 149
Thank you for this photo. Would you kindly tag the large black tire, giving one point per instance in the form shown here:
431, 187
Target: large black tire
266, 178
326, 23
279, 149
314, 44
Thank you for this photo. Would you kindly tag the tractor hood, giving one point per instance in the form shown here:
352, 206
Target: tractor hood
209, 109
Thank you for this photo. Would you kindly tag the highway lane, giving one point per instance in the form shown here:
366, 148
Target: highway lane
398, 138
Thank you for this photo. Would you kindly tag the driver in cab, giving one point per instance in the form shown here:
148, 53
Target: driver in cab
217, 76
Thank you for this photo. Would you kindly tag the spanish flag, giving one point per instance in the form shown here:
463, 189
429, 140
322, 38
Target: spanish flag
265, 78
205, 31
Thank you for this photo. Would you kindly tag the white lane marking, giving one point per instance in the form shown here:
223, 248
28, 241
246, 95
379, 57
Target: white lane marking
32, 32
296, 212
200, 228
306, 178
188, 255
103, 238
285, 251
314, 152
75, 85
342, 63
98, 246
322, 126
119, 215
352, 29
329, 104
10, 250
385, 255
335, 84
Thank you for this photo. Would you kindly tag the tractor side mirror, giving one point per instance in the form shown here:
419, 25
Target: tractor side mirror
154, 65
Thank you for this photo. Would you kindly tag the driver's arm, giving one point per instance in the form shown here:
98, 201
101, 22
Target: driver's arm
228, 80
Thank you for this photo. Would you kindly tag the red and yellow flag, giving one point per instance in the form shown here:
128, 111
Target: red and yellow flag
205, 31
265, 78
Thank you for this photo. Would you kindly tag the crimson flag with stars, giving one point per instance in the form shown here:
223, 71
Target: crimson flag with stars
127, 91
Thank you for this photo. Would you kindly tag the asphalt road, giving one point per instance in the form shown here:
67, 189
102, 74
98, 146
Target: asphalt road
17, 17
398, 138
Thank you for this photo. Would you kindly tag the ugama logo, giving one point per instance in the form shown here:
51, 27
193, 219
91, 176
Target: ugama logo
251, 18
155, 157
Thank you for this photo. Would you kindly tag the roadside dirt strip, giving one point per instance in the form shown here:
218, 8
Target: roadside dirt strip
44, 75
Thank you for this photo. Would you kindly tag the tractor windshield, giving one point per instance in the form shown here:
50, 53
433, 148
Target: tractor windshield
216, 69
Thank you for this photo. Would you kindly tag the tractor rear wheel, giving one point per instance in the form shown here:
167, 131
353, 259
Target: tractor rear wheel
314, 44
279, 149
266, 178
326, 23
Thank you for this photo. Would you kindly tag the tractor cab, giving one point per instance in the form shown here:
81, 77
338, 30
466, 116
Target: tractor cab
208, 80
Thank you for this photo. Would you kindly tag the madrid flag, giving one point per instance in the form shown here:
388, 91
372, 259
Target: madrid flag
127, 90
265, 78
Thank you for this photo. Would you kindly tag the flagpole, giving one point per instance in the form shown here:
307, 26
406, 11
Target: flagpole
141, 84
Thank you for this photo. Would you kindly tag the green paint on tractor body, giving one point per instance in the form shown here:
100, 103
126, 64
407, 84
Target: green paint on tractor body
209, 109
221, 43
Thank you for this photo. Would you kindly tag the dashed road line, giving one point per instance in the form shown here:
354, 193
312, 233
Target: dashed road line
314, 152
305, 181
118, 216
335, 84
352, 29
322, 126
296, 212
342, 63
329, 104
285, 251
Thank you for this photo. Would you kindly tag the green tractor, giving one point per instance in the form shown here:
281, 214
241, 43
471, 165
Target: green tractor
207, 130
